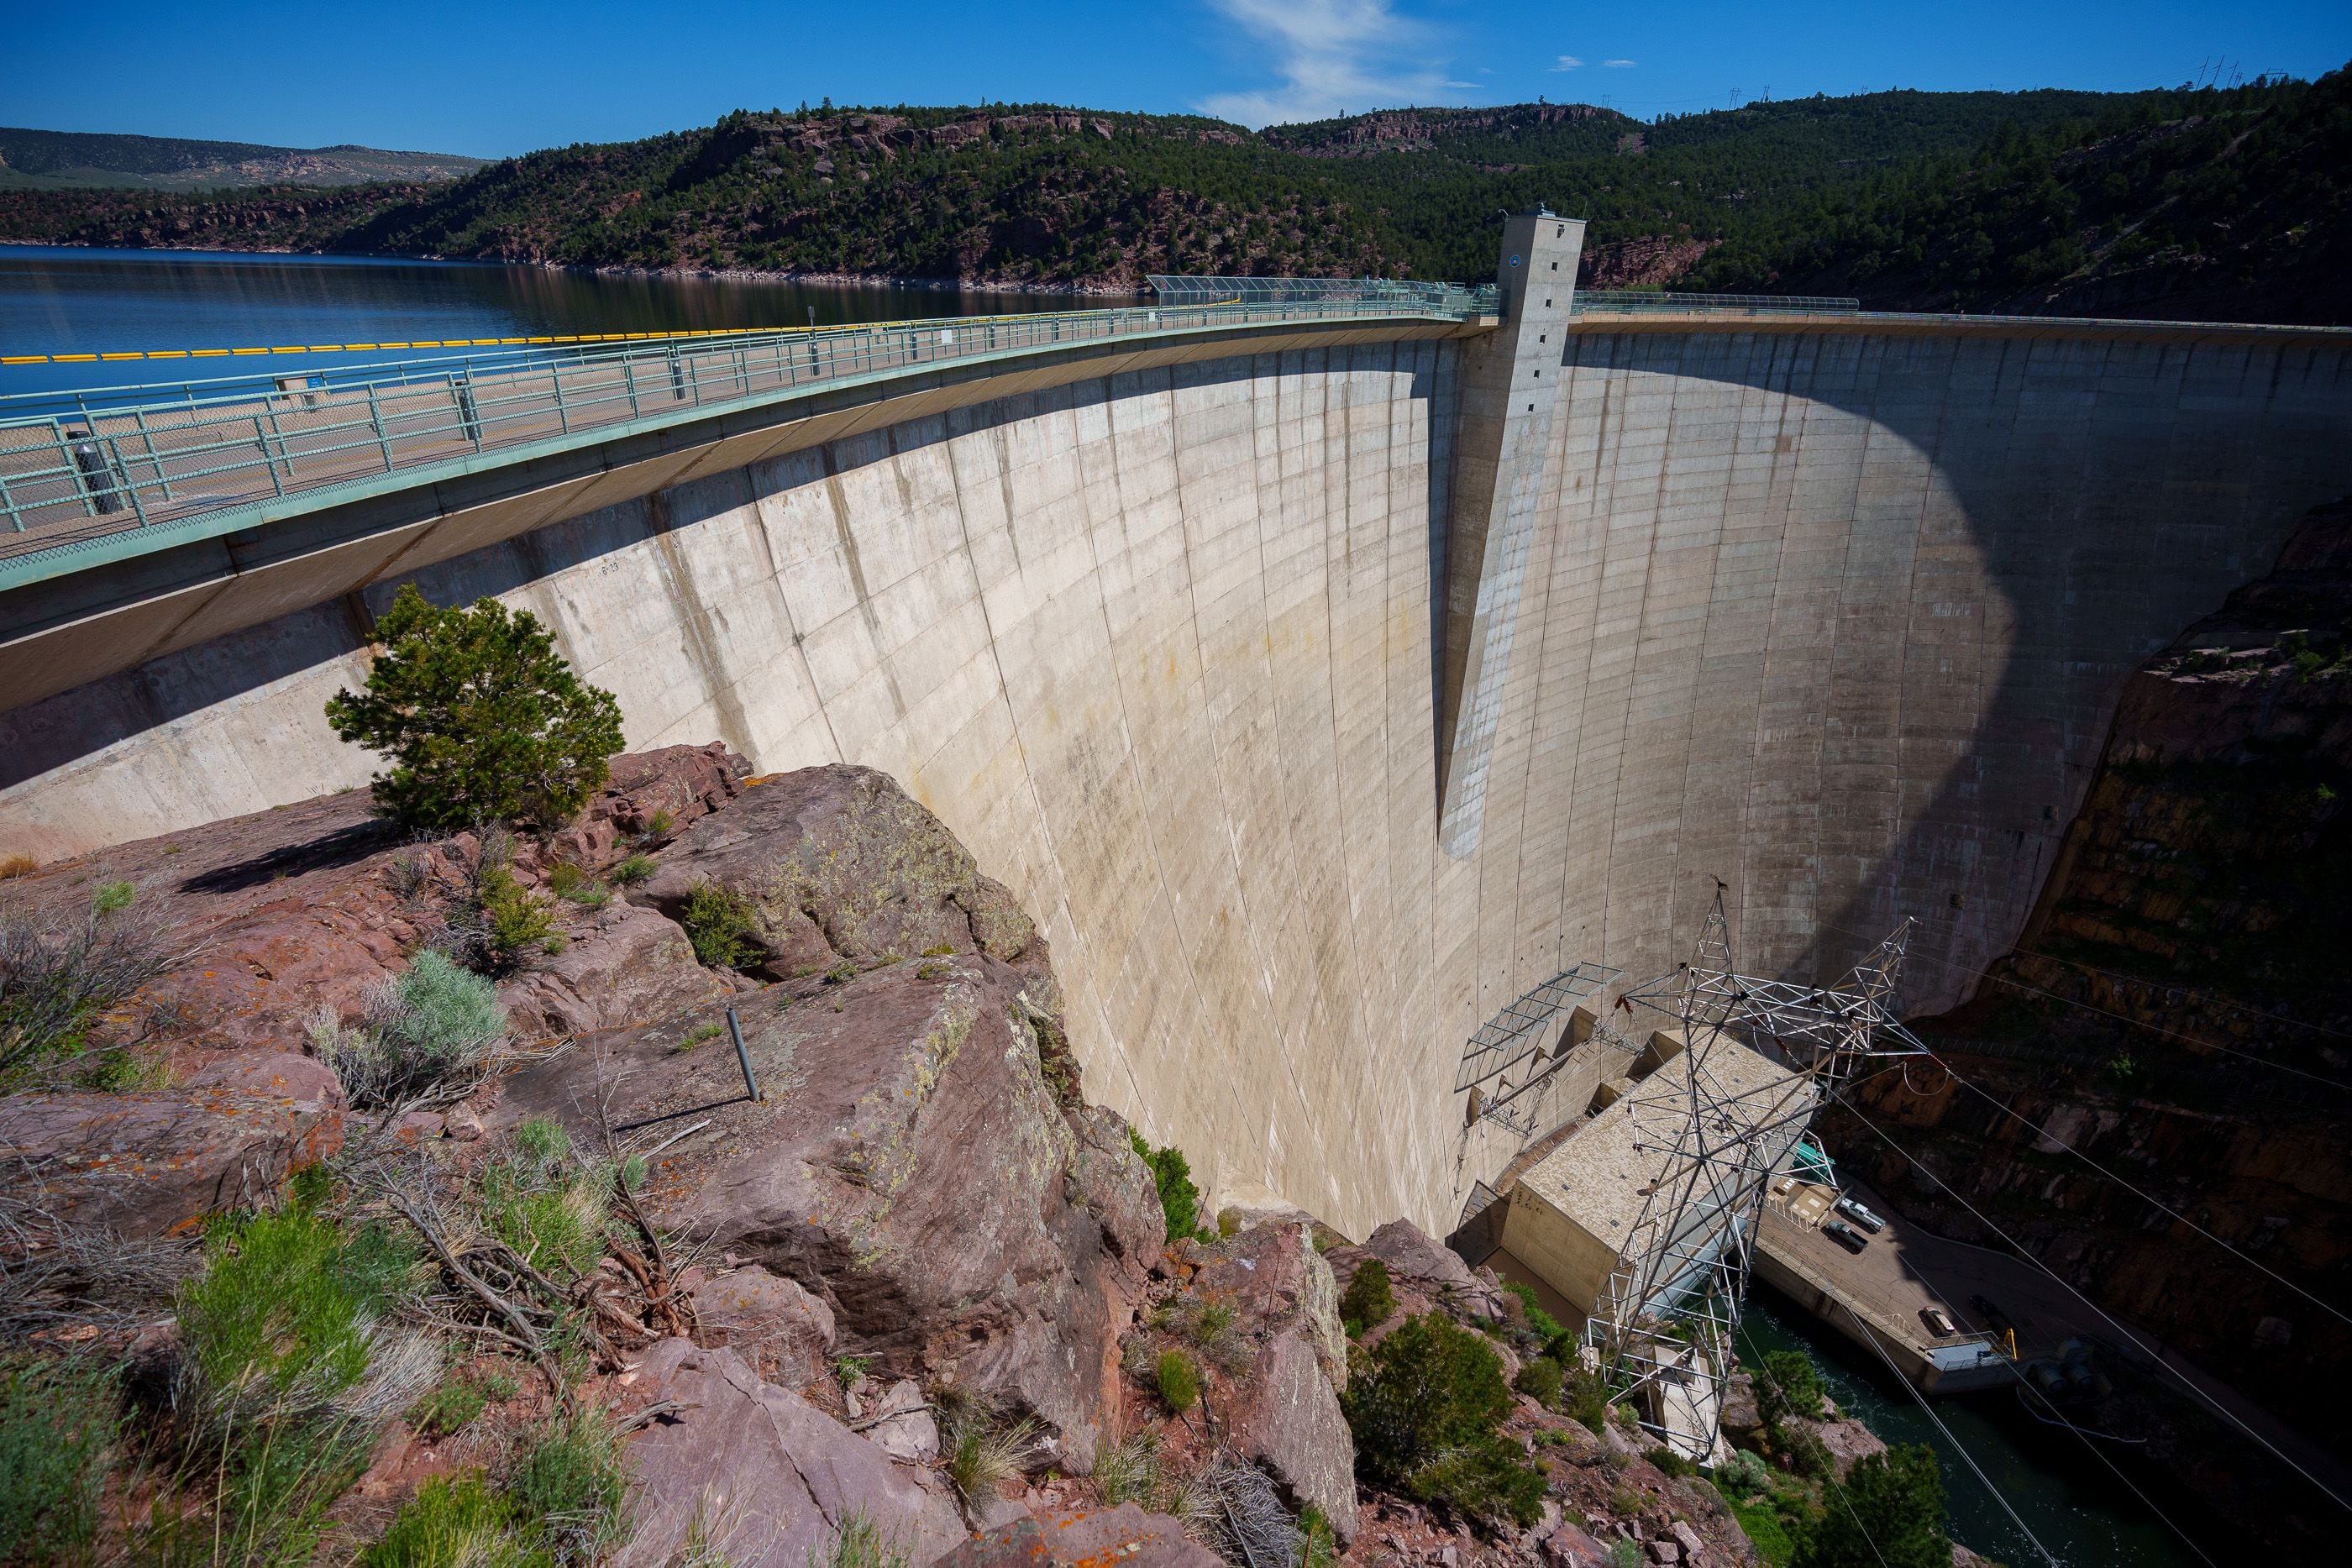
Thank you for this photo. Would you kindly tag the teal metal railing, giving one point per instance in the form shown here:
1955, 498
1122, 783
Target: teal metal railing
76, 466
1632, 301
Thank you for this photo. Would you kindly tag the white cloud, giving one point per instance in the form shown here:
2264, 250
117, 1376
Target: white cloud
1333, 57
1568, 63
1617, 65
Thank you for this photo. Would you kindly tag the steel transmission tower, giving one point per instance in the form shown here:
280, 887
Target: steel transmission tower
1712, 1127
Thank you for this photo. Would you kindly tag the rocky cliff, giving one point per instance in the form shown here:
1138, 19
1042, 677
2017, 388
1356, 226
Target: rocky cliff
880, 1268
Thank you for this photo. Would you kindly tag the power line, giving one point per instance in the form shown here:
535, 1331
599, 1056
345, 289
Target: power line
2228, 1414
2083, 1437
1998, 1496
2143, 1197
1987, 974
2205, 991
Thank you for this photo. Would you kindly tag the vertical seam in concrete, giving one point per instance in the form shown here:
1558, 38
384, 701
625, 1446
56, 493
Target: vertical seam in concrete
1110, 1033
847, 535
693, 623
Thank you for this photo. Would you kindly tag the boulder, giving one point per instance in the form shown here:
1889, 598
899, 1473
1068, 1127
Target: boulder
1849, 1442
1570, 1547
781, 1331
1742, 1417
761, 1475
902, 1425
1124, 1535
156, 1164
302, 1081
1412, 1254
622, 965
1276, 1282
843, 867
911, 1166
680, 783
1286, 1413
1289, 1422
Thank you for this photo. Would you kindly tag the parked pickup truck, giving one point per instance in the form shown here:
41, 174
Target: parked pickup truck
1854, 1209
1846, 1236
1938, 1323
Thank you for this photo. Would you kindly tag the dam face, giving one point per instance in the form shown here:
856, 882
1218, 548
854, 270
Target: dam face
1835, 613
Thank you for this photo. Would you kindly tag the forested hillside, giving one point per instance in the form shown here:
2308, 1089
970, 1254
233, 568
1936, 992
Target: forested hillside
2168, 202
2218, 206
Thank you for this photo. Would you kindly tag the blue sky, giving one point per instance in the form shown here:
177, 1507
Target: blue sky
495, 79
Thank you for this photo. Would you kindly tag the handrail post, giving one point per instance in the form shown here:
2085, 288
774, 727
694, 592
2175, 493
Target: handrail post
122, 476
375, 418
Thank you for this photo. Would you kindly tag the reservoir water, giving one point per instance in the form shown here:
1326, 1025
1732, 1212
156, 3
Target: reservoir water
60, 300
2079, 1510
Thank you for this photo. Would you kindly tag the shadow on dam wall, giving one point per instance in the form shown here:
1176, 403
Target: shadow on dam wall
1840, 617
2105, 491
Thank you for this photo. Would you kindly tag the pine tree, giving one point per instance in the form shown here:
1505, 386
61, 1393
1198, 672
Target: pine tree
483, 720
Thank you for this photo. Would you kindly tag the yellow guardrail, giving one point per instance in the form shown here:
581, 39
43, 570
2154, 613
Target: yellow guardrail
129, 354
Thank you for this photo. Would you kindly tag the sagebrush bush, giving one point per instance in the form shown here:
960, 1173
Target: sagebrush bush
57, 1422
432, 1026
457, 1523
1369, 1298
723, 925
1179, 1200
1424, 1414
482, 719
1743, 1475
57, 978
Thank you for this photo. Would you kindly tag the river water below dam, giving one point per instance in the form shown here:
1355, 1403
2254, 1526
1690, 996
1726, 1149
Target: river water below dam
2079, 1510
68, 301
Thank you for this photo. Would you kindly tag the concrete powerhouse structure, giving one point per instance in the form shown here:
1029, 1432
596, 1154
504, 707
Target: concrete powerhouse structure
1319, 691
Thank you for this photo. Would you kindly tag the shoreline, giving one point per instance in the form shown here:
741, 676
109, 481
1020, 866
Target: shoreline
708, 273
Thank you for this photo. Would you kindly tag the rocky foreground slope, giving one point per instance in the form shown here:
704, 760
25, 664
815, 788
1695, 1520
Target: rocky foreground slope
917, 1288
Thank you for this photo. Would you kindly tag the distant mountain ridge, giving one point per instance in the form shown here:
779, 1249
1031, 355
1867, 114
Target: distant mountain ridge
2215, 203
51, 160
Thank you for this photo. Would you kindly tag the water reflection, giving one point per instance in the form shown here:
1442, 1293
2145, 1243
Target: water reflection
61, 301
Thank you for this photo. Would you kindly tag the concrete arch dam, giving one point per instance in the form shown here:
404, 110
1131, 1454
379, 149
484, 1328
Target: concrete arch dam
1320, 692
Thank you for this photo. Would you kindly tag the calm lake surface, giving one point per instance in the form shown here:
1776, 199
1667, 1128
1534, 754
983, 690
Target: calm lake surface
2074, 1505
57, 300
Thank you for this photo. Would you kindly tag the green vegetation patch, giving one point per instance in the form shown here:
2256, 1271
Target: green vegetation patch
1179, 1200
724, 926
482, 719
58, 1423
1426, 1414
